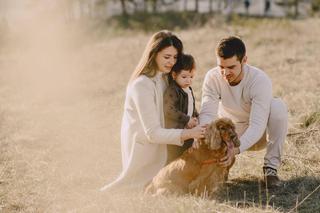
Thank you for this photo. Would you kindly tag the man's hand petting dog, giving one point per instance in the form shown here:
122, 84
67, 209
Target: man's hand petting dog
227, 159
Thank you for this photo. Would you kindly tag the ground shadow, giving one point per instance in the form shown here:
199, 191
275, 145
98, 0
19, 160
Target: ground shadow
251, 192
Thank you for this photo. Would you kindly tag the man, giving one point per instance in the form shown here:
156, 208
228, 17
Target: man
243, 93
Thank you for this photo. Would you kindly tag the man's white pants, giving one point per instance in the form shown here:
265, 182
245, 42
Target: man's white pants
276, 131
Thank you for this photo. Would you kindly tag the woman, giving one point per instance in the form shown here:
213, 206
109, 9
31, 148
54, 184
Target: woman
143, 136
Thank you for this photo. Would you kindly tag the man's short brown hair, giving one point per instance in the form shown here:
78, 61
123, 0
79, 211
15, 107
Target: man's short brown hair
231, 46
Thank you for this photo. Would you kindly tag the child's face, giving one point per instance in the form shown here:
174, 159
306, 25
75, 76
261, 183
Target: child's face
184, 78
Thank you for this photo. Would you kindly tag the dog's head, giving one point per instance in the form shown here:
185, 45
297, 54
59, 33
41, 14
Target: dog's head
219, 132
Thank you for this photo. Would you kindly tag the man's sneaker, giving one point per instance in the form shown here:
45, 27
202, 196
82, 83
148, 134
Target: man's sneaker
271, 178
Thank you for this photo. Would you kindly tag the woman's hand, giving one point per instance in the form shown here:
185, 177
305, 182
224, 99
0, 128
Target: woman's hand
196, 132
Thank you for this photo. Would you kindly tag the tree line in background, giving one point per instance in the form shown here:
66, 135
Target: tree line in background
74, 9
128, 7
155, 5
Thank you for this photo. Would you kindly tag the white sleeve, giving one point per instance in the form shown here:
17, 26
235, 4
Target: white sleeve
210, 100
261, 96
143, 96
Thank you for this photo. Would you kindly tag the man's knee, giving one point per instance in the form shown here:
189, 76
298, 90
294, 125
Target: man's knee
261, 144
278, 110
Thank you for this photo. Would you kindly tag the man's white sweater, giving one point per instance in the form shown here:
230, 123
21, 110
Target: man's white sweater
246, 104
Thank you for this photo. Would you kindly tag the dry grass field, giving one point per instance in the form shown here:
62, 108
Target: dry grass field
61, 101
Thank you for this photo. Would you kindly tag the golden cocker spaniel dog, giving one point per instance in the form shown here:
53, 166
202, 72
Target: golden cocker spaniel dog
197, 171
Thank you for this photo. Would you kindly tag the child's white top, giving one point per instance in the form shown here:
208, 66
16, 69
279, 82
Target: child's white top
190, 101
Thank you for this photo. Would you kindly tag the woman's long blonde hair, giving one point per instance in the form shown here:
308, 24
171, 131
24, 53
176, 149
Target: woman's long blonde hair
160, 40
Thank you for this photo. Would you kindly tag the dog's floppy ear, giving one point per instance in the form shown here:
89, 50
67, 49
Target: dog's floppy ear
213, 137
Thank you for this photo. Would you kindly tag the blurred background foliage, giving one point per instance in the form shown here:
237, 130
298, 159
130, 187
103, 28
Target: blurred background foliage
150, 15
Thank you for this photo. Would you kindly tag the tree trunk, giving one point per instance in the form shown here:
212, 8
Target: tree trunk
196, 6
210, 6
154, 6
220, 5
123, 7
185, 5
296, 8
145, 6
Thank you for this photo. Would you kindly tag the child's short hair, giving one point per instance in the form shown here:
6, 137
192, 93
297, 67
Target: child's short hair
185, 62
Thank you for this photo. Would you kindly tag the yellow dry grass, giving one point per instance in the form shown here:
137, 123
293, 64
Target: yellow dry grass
61, 100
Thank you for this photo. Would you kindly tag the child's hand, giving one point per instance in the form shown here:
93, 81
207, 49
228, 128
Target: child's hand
192, 122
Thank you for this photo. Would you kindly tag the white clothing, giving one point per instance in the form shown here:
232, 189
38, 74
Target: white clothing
143, 136
246, 104
190, 101
277, 131
251, 107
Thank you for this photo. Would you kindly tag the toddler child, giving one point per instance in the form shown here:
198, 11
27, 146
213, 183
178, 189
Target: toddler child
179, 102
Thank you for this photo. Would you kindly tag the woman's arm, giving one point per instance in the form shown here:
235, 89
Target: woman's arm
143, 95
196, 132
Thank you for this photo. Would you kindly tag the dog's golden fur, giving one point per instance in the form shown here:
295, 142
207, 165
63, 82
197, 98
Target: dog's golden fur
196, 171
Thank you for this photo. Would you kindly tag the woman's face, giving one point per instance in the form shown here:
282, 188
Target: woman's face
166, 58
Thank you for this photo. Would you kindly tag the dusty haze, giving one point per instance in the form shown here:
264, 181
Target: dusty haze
58, 138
